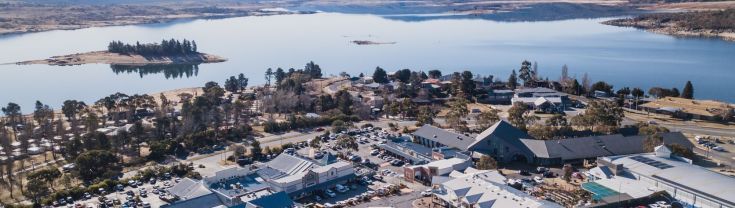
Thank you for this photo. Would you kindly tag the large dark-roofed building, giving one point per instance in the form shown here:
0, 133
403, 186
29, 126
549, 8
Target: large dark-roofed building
503, 141
507, 143
577, 149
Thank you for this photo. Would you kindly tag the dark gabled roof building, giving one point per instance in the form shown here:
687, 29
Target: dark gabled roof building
577, 149
503, 141
507, 143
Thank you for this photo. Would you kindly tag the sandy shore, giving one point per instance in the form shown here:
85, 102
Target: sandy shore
104, 57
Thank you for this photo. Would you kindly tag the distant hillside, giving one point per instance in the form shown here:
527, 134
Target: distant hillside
103, 2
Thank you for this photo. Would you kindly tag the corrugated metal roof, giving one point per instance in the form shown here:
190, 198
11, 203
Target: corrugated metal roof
189, 188
445, 137
686, 176
597, 146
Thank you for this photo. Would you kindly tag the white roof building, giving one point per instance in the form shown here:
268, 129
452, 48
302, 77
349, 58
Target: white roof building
482, 189
640, 175
292, 173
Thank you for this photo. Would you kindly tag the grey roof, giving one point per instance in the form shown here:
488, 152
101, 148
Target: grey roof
539, 92
407, 150
189, 188
536, 90
503, 130
285, 165
596, 146
445, 137
193, 194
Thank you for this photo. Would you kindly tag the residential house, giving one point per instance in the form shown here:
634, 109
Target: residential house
542, 99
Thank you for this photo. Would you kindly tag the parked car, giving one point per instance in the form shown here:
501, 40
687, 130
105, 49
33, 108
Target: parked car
330, 193
538, 179
718, 148
68, 167
341, 188
426, 193
524, 172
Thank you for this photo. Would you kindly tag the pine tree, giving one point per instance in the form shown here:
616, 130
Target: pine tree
513, 80
688, 91
379, 76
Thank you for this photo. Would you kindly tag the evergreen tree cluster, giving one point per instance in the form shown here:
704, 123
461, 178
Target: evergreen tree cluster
166, 47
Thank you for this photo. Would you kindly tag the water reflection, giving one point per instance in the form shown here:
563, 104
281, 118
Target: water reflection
170, 71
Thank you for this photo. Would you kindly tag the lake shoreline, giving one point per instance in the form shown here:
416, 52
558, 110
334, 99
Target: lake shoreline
139, 20
671, 29
105, 57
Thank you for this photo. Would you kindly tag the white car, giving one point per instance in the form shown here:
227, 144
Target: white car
330, 193
718, 148
426, 193
538, 179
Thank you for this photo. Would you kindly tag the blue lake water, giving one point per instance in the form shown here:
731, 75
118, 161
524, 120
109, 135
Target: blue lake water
620, 56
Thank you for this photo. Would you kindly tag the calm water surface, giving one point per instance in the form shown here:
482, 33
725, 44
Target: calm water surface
621, 56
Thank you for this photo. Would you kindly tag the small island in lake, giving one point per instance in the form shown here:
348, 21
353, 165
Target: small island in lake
368, 42
119, 53
719, 23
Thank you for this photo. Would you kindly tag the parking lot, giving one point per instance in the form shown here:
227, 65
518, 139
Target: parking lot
135, 194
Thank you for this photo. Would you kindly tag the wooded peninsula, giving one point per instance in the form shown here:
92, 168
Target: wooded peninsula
719, 23
119, 53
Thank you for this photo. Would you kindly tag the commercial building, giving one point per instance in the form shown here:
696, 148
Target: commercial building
483, 189
509, 144
424, 173
286, 175
191, 193
575, 150
640, 175
298, 176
